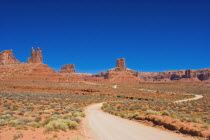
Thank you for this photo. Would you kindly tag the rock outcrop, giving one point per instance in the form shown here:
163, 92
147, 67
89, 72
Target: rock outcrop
7, 58
123, 74
69, 68
184, 75
36, 56
120, 65
120, 74
187, 74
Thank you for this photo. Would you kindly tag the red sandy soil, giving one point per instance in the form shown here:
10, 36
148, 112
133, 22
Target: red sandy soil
38, 134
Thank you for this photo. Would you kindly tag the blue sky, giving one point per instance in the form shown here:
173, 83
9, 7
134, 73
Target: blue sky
152, 35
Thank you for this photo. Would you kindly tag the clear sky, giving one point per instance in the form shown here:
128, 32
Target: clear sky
152, 35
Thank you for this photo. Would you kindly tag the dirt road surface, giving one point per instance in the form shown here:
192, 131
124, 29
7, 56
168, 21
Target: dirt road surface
104, 126
194, 98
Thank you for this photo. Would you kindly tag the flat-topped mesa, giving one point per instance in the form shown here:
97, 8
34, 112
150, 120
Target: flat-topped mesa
7, 58
36, 56
120, 65
69, 68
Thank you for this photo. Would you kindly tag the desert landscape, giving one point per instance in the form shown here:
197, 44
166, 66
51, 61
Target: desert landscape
104, 70
36, 102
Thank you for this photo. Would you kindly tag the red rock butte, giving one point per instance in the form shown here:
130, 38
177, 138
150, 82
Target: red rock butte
120, 64
7, 58
69, 68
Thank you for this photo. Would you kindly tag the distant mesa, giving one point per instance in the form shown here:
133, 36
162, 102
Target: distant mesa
69, 68
7, 58
36, 56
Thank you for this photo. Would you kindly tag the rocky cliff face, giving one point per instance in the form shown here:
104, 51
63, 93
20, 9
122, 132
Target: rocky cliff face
7, 58
69, 68
184, 75
36, 56
124, 74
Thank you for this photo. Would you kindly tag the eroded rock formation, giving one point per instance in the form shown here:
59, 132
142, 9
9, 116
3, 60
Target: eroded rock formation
120, 74
7, 58
36, 56
69, 68
188, 74
120, 64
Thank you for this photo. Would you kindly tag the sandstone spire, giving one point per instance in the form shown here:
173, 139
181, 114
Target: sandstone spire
120, 65
7, 58
36, 56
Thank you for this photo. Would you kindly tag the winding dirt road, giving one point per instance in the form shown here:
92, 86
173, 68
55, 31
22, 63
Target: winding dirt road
194, 98
104, 126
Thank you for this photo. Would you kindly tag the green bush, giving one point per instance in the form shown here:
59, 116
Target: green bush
35, 124
79, 114
166, 113
15, 122
3, 122
152, 112
18, 135
197, 120
6, 116
61, 124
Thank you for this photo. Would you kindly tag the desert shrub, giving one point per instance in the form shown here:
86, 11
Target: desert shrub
205, 125
46, 112
3, 122
10, 113
20, 127
20, 121
6, 116
61, 124
37, 119
78, 120
18, 135
197, 120
15, 122
26, 120
132, 115
152, 112
165, 113
35, 124
51, 118
79, 114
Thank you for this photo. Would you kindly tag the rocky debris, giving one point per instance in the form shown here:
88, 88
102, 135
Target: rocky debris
90, 90
36, 56
7, 58
69, 68
120, 65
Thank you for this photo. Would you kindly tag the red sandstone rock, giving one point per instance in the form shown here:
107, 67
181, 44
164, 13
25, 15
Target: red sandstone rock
188, 74
36, 56
69, 68
120, 65
7, 58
